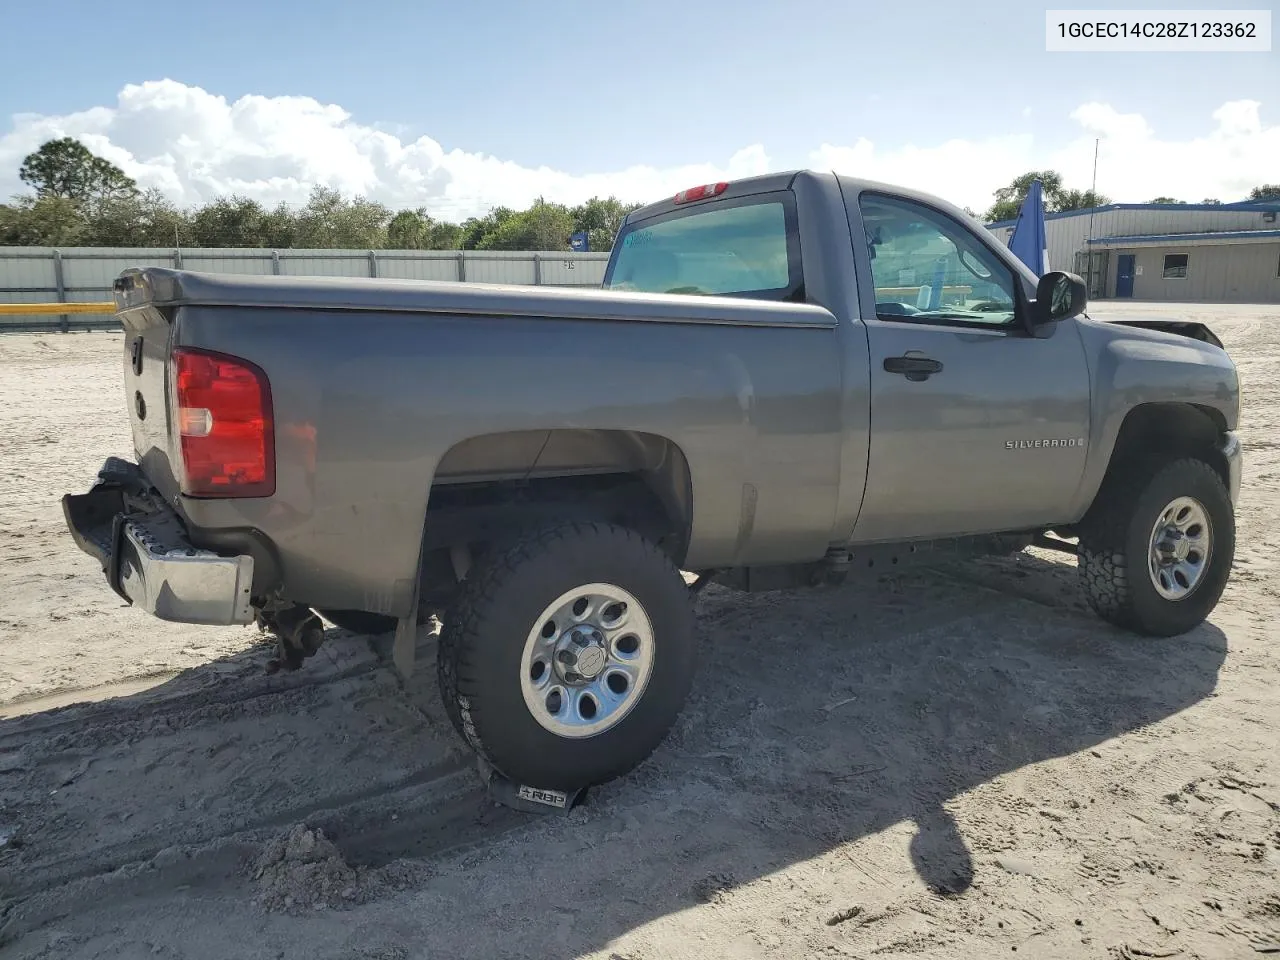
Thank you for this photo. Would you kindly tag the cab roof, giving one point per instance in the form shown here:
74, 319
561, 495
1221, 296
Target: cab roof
770, 182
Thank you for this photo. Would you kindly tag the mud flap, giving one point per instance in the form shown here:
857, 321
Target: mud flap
528, 799
404, 649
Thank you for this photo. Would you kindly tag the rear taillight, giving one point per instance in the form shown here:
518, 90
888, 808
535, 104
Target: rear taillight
222, 414
701, 193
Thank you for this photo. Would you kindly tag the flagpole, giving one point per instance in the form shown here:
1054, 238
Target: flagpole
1093, 205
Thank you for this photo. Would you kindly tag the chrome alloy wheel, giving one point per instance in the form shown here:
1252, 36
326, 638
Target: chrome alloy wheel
1181, 544
587, 660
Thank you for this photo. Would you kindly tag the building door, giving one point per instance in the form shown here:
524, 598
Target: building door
1124, 275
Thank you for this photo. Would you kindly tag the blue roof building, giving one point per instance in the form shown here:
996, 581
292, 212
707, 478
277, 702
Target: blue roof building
1188, 252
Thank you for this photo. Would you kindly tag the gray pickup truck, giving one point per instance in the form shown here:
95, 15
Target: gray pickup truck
786, 381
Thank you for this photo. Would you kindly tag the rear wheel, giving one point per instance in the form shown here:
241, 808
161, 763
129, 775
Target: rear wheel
568, 655
1156, 554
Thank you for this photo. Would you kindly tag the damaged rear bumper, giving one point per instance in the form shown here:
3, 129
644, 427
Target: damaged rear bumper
146, 556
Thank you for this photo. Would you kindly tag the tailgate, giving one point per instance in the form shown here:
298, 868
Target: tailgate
147, 331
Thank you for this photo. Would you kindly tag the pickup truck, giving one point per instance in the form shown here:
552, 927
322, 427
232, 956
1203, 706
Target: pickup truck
786, 381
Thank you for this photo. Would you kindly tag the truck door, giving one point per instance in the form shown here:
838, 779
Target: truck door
976, 426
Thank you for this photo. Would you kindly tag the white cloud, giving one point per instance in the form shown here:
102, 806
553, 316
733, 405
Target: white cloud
194, 145
962, 171
1134, 163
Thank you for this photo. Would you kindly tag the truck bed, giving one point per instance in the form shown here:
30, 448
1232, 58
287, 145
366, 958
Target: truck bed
382, 388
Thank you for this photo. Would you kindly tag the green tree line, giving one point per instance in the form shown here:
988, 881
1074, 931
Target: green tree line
1058, 198
80, 199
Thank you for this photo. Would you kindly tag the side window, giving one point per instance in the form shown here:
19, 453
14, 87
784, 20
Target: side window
1175, 266
928, 268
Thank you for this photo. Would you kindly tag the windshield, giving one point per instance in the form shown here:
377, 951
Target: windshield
726, 249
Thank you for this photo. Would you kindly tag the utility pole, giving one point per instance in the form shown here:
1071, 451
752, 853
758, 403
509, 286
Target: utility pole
1093, 205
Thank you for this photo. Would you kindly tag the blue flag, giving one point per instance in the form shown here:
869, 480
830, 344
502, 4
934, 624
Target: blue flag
1028, 242
579, 243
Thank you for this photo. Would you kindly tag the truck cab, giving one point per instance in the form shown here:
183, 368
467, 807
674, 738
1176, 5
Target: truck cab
964, 415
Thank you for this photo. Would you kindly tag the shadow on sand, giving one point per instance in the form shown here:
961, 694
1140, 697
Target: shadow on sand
818, 719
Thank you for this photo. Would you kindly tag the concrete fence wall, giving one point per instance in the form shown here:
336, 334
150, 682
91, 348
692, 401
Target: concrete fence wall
85, 274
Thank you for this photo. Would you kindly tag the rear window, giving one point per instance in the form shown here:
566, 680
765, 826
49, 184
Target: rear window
746, 247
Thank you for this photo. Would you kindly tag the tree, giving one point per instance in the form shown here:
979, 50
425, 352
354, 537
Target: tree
279, 227
81, 198
1268, 191
1056, 198
1165, 200
41, 222
1078, 200
410, 230
544, 226
66, 168
416, 230
601, 220
445, 236
145, 220
476, 229
330, 220
233, 221
1009, 199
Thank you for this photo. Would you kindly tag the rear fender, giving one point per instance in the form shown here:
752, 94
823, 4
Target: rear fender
523, 462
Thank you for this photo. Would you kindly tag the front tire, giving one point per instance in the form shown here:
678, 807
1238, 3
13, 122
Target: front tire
1156, 552
568, 655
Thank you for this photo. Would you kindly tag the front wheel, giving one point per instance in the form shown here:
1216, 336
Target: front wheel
568, 655
1156, 555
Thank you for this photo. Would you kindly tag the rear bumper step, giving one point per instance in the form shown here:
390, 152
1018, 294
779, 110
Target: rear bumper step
146, 556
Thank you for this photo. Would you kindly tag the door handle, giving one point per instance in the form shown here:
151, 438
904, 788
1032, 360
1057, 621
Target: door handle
913, 368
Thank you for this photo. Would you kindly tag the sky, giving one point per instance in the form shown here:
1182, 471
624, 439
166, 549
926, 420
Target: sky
459, 106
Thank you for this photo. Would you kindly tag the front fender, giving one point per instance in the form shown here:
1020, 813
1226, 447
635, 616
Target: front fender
1190, 329
1135, 366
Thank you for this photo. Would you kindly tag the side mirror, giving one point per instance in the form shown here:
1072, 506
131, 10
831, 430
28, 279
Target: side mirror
1059, 296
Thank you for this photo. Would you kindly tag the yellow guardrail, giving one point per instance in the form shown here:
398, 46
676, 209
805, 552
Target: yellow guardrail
54, 309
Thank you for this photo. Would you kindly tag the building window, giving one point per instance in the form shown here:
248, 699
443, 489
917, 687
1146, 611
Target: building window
1175, 266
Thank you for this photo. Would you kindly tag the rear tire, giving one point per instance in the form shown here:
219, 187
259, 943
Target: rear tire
592, 597
1157, 549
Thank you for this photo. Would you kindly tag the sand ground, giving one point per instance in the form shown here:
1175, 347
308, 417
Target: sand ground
954, 763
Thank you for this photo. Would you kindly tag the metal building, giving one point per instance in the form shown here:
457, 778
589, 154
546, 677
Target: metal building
85, 274
1223, 253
